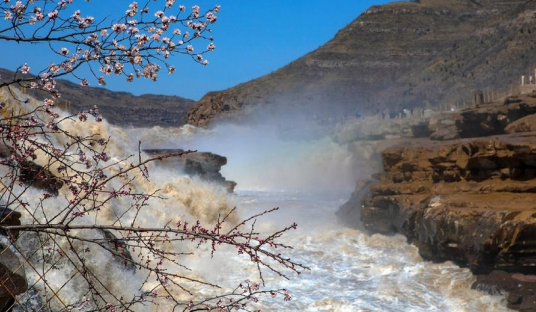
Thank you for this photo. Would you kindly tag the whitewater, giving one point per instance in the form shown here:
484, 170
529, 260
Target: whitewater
308, 179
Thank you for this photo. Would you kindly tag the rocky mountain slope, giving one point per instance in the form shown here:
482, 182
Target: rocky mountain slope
400, 54
121, 108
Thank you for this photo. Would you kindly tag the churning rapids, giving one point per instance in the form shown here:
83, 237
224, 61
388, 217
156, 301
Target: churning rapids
350, 270
308, 180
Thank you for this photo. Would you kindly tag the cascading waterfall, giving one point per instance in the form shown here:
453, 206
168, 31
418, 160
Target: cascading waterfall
308, 179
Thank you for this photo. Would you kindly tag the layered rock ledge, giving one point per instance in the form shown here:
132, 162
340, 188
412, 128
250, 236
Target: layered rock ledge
472, 202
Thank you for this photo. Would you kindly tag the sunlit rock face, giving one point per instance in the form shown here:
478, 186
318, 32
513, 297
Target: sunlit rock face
471, 202
400, 54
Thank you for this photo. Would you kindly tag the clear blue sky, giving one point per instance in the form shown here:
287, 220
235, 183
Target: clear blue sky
253, 38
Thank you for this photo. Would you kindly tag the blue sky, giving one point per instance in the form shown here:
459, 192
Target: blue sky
253, 38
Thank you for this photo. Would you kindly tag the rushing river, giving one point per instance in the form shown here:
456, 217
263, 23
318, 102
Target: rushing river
352, 271
349, 270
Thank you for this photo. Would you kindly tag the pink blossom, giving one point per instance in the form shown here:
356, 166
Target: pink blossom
132, 9
118, 28
82, 117
48, 103
25, 69
169, 3
52, 15
195, 11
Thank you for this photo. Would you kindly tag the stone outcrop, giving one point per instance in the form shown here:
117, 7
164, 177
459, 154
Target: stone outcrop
525, 124
509, 115
471, 202
204, 165
13, 277
39, 177
401, 54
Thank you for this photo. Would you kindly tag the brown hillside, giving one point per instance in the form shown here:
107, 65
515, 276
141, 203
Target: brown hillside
121, 108
400, 54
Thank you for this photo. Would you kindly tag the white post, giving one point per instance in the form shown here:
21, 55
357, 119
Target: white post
523, 80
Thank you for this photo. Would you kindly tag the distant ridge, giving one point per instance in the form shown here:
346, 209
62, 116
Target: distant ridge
400, 54
121, 108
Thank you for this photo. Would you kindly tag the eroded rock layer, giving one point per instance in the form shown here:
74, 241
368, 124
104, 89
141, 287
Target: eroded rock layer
472, 202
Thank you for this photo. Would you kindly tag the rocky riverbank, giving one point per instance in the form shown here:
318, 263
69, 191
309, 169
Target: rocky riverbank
460, 196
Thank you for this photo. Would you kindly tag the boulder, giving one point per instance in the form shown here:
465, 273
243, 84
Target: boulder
525, 124
204, 165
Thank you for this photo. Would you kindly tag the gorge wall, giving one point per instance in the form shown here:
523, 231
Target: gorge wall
466, 194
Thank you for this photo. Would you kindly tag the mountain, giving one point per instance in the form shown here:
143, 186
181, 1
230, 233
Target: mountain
120, 108
402, 54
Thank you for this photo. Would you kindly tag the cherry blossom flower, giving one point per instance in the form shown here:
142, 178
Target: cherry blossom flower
25, 69
118, 28
53, 15
195, 11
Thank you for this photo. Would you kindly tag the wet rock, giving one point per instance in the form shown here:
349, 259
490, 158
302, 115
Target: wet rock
12, 275
118, 248
9, 217
347, 213
521, 288
204, 165
39, 177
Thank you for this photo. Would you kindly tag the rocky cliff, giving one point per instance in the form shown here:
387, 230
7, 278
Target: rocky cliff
400, 54
465, 194
471, 202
